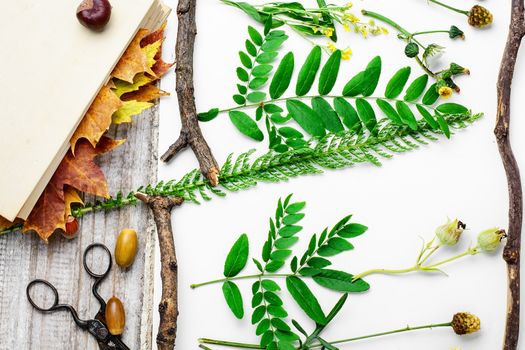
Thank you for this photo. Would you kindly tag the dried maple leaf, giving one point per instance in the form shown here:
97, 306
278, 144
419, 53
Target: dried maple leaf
145, 94
133, 61
78, 171
98, 118
128, 110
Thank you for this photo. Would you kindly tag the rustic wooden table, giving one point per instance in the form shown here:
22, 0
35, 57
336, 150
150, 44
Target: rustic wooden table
25, 257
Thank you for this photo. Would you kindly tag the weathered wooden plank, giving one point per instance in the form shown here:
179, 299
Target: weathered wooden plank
25, 257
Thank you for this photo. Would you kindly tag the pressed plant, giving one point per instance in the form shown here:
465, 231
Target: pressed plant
269, 314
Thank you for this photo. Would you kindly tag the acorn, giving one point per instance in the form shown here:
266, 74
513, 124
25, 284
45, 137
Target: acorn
126, 247
94, 14
115, 316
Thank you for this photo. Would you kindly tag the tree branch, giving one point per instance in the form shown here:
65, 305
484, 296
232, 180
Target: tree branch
168, 307
511, 253
191, 134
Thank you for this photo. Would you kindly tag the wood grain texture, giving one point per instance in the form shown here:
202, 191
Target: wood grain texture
25, 257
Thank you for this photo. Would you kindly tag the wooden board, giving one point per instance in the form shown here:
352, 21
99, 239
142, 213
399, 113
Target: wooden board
26, 257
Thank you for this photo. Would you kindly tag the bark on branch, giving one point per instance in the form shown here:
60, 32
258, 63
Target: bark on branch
168, 307
511, 253
190, 134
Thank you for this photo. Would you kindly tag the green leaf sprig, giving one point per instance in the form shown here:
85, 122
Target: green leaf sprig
270, 316
288, 119
421, 53
308, 22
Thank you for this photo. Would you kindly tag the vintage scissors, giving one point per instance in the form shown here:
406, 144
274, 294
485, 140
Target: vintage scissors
97, 326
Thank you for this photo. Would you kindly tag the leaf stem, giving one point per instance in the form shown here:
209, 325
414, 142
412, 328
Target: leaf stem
430, 32
418, 266
236, 278
284, 99
466, 13
347, 340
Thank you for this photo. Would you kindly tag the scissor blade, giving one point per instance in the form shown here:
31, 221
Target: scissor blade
119, 344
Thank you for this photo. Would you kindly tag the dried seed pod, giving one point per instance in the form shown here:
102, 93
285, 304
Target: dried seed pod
94, 14
115, 316
126, 247
465, 323
479, 17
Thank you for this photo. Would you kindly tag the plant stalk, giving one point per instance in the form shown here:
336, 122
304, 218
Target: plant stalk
449, 7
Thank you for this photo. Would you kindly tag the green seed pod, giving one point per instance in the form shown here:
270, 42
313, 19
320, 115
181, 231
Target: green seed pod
411, 50
449, 233
126, 247
489, 240
115, 316
454, 32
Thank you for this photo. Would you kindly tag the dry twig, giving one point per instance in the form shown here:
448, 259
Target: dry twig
191, 134
168, 307
511, 254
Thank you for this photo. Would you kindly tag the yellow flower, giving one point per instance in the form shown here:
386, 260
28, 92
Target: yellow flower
384, 30
349, 5
350, 17
346, 26
331, 47
445, 92
329, 32
346, 53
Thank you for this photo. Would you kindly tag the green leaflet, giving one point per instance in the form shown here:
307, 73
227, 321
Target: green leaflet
283, 76
237, 257
340, 281
428, 117
210, 115
233, 298
255, 36
431, 96
308, 72
305, 299
246, 125
452, 108
329, 73
371, 76
366, 114
416, 89
407, 117
389, 111
347, 112
305, 117
327, 115
396, 85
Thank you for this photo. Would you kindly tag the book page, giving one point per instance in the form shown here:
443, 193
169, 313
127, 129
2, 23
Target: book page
52, 69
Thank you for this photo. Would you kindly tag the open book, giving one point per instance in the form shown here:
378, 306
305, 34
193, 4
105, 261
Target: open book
52, 69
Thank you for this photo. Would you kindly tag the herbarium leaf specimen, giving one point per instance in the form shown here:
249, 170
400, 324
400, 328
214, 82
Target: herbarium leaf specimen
293, 122
281, 271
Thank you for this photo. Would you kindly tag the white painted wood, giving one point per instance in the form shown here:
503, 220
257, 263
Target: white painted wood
25, 257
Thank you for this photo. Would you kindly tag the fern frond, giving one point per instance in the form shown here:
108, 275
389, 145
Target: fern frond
333, 151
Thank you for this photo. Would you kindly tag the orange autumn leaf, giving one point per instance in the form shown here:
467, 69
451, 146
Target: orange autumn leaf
133, 61
97, 119
146, 93
78, 171
160, 67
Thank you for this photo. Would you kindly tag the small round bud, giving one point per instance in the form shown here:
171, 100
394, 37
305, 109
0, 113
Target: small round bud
489, 240
450, 233
465, 323
479, 17
454, 32
411, 50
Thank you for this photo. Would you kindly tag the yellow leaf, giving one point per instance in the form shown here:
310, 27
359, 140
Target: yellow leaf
151, 51
145, 94
128, 110
123, 87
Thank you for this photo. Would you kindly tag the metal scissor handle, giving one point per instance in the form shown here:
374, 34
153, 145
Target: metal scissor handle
55, 306
98, 277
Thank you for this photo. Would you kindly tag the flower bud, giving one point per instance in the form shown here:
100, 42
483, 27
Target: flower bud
456, 69
411, 50
449, 233
465, 323
454, 32
479, 17
489, 240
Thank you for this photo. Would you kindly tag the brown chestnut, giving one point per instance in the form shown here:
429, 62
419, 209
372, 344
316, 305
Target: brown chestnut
94, 14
